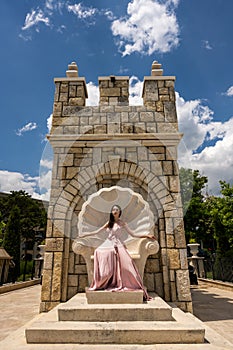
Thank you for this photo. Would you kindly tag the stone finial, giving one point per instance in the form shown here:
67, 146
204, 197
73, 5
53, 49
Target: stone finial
156, 68
72, 71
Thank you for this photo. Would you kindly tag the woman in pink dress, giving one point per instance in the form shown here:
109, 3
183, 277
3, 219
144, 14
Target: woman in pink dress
114, 268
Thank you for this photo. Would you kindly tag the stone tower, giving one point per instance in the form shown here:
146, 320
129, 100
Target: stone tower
115, 144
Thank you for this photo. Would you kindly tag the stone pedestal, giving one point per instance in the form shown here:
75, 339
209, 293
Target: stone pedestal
108, 297
116, 326
198, 264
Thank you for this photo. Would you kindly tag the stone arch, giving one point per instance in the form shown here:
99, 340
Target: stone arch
76, 191
116, 169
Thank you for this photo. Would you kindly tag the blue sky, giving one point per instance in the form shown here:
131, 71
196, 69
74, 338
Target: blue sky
192, 40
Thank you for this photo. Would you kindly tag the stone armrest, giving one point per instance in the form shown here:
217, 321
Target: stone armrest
138, 248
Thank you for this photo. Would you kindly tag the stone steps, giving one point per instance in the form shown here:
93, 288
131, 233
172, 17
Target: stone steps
17, 340
77, 322
121, 332
114, 347
77, 309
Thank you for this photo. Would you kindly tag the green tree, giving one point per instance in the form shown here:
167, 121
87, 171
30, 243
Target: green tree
220, 210
11, 241
192, 186
31, 218
186, 184
32, 214
2, 227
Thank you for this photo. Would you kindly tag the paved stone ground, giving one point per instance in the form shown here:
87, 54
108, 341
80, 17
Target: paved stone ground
213, 306
17, 308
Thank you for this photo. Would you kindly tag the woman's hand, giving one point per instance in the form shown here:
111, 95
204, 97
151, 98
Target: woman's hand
150, 237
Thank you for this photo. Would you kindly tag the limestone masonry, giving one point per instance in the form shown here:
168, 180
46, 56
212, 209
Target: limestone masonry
115, 144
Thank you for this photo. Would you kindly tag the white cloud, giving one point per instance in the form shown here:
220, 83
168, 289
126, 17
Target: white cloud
45, 170
25, 37
207, 144
150, 26
46, 163
123, 70
44, 197
93, 94
61, 29
216, 162
81, 11
34, 18
49, 4
28, 127
44, 14
49, 122
229, 91
14, 181
135, 91
193, 121
45, 182
207, 45
109, 14
84, 12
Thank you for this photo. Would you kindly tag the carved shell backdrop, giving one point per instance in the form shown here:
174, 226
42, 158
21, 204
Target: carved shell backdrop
95, 213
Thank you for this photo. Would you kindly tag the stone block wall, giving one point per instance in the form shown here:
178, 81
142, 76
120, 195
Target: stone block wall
114, 90
115, 144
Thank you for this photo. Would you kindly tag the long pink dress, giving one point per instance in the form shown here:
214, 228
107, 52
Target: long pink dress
114, 268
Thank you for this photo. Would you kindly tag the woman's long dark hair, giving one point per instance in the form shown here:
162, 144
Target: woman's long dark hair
111, 217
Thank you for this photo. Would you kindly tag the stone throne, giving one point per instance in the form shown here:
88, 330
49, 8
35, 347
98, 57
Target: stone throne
135, 211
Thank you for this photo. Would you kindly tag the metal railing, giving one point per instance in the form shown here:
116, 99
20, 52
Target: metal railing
28, 271
219, 269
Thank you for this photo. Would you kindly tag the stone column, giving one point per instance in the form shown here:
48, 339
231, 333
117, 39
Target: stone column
159, 95
70, 91
70, 94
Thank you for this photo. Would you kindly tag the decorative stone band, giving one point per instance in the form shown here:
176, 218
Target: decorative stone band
171, 139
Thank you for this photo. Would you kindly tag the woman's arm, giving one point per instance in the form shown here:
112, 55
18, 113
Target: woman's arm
124, 224
96, 232
126, 227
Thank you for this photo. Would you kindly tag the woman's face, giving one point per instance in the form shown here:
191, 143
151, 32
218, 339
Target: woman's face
116, 212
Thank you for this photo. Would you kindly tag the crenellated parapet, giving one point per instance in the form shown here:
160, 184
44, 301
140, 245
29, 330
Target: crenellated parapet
114, 90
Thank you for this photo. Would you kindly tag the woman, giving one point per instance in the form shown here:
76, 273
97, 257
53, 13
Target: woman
114, 269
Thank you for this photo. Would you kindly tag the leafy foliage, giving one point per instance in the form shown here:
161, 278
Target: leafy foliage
11, 241
207, 218
23, 218
32, 215
2, 227
192, 185
221, 212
